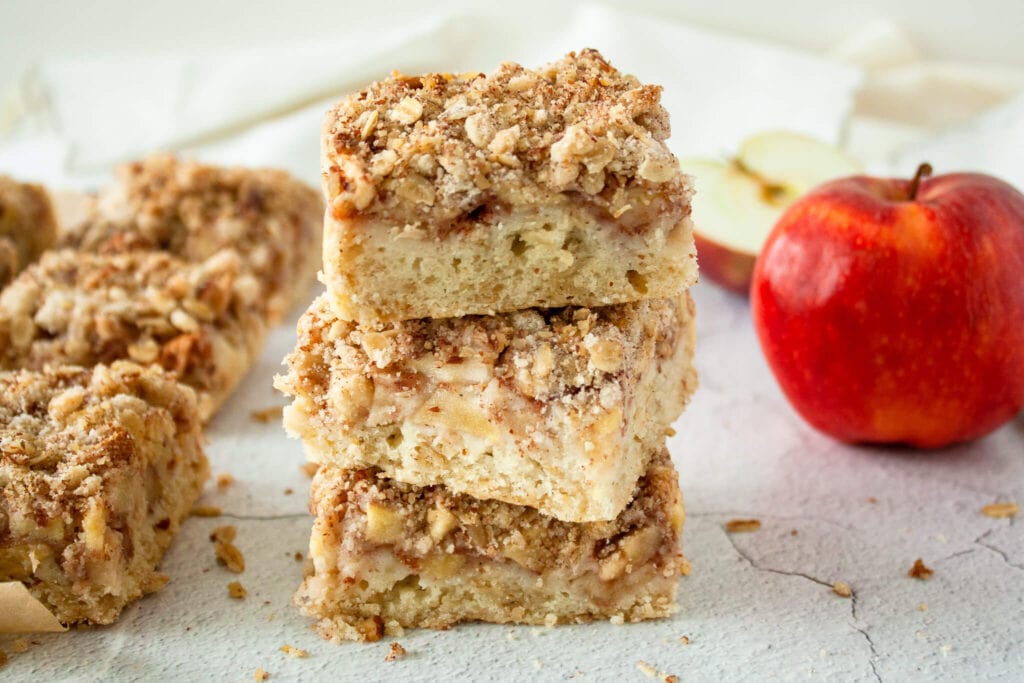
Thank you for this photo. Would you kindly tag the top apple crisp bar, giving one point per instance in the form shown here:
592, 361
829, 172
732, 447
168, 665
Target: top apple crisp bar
27, 226
194, 210
451, 195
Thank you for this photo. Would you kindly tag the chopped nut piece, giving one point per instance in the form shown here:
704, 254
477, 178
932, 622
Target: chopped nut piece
919, 571
224, 480
224, 534
236, 590
842, 589
267, 415
260, 674
294, 652
206, 511
1000, 510
230, 556
734, 526
394, 652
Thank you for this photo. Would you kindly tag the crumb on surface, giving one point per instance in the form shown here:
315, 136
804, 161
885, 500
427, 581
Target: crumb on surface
266, 415
872, 500
260, 674
224, 480
294, 652
923, 607
734, 526
19, 645
229, 556
298, 556
1001, 510
842, 589
794, 532
309, 469
206, 511
669, 432
224, 534
685, 567
289, 491
920, 571
684, 640
669, 678
394, 652
236, 591
646, 669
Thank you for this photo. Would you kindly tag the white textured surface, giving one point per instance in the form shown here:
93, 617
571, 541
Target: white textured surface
757, 605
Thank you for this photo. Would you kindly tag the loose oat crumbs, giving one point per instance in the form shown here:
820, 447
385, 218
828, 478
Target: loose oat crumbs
842, 589
684, 640
260, 674
920, 571
309, 469
1000, 510
19, 645
224, 480
229, 556
224, 534
294, 652
394, 652
646, 669
734, 526
206, 511
266, 415
237, 591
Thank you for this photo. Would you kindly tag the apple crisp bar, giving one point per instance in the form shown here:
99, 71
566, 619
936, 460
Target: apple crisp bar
557, 409
388, 555
27, 226
194, 210
451, 195
97, 469
201, 321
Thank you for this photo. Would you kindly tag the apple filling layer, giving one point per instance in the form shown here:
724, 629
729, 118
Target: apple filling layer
388, 555
512, 259
557, 409
98, 468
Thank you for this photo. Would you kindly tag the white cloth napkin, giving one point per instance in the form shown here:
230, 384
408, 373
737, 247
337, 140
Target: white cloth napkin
264, 107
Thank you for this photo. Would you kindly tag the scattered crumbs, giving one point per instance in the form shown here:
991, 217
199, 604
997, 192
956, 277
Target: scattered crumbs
294, 652
923, 607
872, 500
646, 669
734, 526
266, 415
288, 491
1000, 510
236, 591
669, 432
19, 645
618, 619
669, 678
551, 620
309, 469
919, 571
230, 557
260, 674
298, 556
793, 532
224, 534
685, 567
394, 652
684, 640
224, 480
266, 602
842, 589
206, 511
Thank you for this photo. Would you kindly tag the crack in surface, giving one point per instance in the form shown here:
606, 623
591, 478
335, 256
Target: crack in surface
853, 600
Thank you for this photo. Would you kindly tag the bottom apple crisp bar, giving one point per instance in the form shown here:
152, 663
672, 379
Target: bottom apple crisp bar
387, 555
98, 467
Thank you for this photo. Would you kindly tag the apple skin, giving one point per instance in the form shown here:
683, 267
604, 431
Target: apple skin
726, 267
889, 320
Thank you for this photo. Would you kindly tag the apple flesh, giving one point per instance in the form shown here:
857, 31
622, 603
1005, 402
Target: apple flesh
892, 311
739, 200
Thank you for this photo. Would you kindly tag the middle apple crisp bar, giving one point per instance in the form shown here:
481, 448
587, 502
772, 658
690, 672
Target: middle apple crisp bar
556, 409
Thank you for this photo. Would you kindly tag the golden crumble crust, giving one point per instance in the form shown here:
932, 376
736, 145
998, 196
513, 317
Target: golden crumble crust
27, 225
200, 321
364, 509
194, 210
441, 147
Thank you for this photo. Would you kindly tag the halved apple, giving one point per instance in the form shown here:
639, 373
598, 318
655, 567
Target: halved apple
739, 200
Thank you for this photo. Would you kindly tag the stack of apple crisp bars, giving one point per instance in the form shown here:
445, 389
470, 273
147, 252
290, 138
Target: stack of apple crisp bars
505, 339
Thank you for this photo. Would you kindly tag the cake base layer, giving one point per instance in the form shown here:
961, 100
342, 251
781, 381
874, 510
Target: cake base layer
557, 409
387, 555
98, 468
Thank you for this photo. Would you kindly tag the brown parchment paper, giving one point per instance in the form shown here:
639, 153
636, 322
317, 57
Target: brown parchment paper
22, 613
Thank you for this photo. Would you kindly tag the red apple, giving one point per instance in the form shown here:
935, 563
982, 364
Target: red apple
738, 200
892, 311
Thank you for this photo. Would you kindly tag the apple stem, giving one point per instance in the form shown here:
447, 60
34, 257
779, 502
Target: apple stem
923, 170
